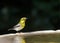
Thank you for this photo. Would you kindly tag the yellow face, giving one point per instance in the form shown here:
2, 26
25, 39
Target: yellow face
23, 19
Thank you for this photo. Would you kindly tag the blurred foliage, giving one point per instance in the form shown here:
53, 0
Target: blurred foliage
41, 14
46, 14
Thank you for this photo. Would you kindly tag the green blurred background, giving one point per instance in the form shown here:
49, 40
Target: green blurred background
41, 14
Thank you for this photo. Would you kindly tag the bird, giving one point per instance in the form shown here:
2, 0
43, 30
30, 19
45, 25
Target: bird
19, 27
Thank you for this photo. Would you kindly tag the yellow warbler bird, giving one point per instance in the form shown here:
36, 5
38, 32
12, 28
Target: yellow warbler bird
21, 24
19, 27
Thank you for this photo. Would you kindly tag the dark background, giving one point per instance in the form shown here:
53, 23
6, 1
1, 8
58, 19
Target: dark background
41, 14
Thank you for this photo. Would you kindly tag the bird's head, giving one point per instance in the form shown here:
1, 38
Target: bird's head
23, 19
